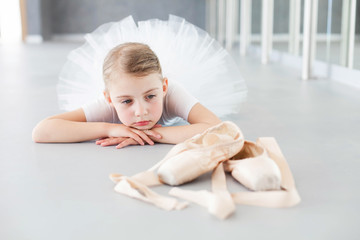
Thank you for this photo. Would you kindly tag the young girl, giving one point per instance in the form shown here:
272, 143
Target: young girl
141, 98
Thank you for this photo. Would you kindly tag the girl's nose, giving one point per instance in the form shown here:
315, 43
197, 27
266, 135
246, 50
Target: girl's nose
140, 109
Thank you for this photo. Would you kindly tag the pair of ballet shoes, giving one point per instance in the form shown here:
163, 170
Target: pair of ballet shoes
247, 161
258, 166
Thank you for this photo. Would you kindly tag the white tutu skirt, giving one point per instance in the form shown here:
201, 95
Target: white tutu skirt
187, 54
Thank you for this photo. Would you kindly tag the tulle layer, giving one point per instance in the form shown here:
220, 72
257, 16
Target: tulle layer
187, 55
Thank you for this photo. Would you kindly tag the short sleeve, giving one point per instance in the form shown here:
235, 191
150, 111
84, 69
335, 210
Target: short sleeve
100, 111
178, 103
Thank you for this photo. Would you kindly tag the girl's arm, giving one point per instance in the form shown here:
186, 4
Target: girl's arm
200, 119
72, 127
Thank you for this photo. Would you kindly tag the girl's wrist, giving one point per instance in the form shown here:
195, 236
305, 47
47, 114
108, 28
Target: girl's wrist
111, 129
108, 129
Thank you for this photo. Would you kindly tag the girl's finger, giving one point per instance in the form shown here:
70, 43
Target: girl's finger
143, 136
153, 134
100, 141
127, 142
112, 141
134, 135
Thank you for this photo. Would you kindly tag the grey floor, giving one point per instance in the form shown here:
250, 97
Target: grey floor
62, 191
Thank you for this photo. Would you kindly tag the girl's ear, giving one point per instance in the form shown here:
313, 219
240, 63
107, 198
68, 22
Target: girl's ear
107, 96
165, 86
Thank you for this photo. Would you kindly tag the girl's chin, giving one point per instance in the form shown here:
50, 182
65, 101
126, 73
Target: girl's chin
143, 128
146, 127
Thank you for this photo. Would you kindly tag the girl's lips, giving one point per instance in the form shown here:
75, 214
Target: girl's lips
142, 123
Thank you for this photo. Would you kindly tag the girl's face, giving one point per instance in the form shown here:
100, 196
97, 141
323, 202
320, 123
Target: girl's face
138, 101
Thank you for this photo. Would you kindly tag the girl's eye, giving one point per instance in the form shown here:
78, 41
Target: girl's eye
127, 101
151, 96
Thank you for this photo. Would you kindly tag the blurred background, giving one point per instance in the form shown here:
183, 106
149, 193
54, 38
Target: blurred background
273, 30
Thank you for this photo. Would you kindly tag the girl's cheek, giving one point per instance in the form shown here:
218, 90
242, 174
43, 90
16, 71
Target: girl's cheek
158, 108
124, 115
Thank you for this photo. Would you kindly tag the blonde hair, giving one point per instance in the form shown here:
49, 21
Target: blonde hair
131, 58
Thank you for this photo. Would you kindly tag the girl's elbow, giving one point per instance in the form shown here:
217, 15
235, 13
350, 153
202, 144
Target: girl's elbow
39, 134
36, 135
216, 121
212, 122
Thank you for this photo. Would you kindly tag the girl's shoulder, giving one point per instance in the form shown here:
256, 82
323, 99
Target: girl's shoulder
100, 111
177, 103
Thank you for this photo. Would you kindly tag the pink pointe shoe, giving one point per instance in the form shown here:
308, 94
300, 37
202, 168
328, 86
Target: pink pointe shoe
253, 168
259, 166
200, 154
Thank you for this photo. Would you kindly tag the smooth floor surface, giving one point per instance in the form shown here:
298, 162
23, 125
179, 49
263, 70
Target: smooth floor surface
62, 191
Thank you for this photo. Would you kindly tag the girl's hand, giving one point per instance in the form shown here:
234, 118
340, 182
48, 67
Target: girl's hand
119, 141
110, 141
135, 137
122, 131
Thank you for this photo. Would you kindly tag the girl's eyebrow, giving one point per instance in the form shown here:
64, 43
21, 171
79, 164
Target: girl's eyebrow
127, 96
150, 90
